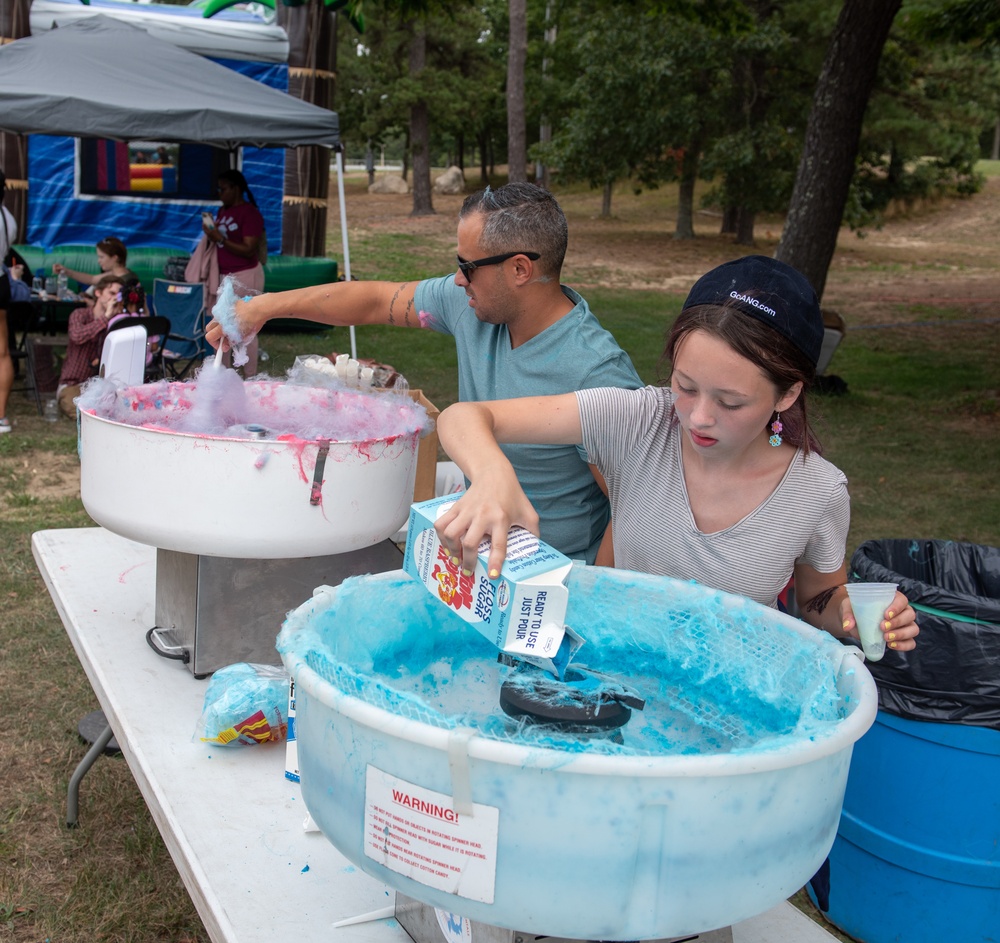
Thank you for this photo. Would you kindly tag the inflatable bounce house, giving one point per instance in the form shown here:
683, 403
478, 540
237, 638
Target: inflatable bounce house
152, 192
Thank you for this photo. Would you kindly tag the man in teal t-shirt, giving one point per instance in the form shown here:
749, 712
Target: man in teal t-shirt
573, 353
518, 332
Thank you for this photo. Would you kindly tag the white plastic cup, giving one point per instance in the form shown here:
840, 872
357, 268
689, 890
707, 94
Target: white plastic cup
869, 602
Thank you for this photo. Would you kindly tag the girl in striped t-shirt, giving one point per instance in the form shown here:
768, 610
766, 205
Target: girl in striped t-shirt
716, 478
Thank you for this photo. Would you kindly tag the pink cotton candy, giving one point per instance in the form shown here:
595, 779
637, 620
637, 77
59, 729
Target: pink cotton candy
220, 403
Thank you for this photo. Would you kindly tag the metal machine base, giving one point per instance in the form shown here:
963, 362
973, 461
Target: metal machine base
215, 611
421, 922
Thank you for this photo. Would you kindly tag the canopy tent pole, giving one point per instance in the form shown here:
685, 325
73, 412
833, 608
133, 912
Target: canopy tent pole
339, 149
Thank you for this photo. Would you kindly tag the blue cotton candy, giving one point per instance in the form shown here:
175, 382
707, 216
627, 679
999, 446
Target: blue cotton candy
225, 313
716, 677
245, 705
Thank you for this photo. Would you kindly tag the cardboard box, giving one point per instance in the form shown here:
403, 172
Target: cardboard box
427, 452
522, 612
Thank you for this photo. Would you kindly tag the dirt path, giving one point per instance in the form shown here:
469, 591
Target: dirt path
937, 254
942, 255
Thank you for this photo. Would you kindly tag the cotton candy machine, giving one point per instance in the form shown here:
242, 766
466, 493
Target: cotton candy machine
253, 493
716, 798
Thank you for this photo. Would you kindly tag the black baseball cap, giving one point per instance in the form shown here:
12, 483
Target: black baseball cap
770, 291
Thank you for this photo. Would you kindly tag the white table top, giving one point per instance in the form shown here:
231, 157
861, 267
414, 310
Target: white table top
231, 821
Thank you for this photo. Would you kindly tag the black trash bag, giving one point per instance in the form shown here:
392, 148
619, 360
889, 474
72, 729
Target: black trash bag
819, 883
953, 675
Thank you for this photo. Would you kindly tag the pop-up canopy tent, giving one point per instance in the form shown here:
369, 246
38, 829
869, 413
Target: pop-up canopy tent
99, 77
103, 78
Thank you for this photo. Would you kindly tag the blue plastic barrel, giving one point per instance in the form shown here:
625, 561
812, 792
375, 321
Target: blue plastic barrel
917, 854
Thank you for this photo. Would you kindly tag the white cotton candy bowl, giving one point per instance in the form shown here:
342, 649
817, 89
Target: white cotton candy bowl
589, 846
242, 498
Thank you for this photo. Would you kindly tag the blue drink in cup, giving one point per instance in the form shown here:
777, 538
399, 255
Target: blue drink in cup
869, 602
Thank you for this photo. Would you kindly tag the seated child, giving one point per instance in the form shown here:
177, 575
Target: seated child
87, 328
130, 302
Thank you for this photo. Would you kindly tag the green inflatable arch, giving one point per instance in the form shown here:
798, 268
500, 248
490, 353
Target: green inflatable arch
212, 7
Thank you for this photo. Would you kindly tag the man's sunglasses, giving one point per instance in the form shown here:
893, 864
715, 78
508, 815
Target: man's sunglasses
467, 268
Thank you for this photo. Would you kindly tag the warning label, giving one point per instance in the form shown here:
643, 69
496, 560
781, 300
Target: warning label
417, 833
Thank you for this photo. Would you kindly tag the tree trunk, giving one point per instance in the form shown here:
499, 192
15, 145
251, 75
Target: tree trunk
730, 220
995, 153
420, 127
484, 143
823, 181
685, 195
542, 175
311, 77
517, 55
896, 170
14, 147
744, 227
606, 199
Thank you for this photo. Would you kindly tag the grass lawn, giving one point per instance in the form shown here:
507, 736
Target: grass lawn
916, 434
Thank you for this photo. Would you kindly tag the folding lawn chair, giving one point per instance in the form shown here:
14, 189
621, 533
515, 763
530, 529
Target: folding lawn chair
184, 304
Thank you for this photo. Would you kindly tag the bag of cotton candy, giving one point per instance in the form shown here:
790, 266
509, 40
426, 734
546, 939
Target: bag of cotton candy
244, 705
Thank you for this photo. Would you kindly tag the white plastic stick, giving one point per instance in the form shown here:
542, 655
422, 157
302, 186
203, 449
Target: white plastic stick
366, 918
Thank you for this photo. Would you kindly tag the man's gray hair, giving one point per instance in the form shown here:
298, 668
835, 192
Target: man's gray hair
521, 217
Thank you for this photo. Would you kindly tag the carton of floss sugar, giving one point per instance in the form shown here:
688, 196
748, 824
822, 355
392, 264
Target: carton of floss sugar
522, 612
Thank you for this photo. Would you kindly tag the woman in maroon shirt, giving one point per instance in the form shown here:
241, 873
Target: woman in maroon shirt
238, 231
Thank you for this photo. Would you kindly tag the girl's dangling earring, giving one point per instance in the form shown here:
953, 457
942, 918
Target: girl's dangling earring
776, 428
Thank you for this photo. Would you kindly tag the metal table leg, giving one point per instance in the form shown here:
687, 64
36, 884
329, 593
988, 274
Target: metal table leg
73, 794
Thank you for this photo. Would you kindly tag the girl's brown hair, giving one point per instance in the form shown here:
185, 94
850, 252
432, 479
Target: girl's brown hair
113, 246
